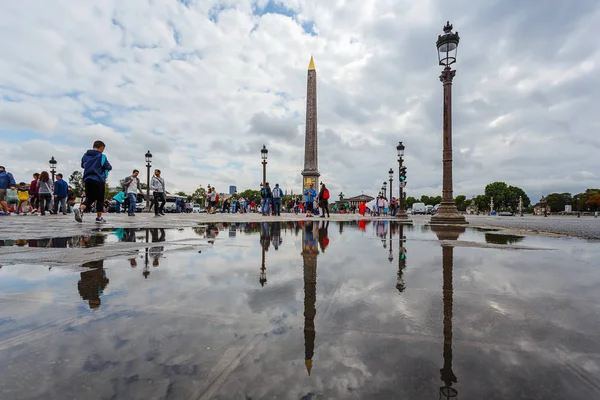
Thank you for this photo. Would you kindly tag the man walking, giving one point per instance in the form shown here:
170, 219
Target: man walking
132, 188
324, 200
6, 182
61, 191
95, 171
266, 196
277, 195
158, 187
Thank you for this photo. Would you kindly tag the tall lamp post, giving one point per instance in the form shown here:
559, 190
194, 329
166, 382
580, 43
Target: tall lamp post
447, 45
384, 189
148, 165
401, 181
52, 163
263, 154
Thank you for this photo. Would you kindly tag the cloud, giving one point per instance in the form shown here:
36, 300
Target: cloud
203, 84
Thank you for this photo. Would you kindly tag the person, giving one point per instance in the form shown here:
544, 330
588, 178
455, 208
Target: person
324, 200
45, 189
158, 188
61, 191
233, 205
70, 199
33, 192
277, 194
23, 193
309, 197
132, 188
266, 195
362, 208
119, 198
95, 171
6, 182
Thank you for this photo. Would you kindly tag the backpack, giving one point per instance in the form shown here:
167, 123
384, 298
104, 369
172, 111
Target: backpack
276, 193
326, 194
12, 196
264, 192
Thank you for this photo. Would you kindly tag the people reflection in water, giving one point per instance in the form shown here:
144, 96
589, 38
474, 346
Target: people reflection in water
276, 235
156, 252
92, 283
323, 235
446, 373
310, 251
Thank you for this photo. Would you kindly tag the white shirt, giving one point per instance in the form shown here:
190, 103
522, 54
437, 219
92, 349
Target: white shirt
133, 186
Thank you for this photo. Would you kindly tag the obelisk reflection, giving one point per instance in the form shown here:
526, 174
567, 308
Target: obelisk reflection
92, 283
310, 251
447, 234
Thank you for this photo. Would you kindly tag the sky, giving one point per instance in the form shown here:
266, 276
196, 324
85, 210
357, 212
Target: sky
203, 84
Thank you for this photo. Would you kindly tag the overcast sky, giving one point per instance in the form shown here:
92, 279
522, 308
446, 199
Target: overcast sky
204, 84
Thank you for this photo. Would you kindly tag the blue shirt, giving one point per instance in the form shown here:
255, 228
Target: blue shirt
309, 195
61, 188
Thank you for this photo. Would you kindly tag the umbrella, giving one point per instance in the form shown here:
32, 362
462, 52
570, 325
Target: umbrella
372, 204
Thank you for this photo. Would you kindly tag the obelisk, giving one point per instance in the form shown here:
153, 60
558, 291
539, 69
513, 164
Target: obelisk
310, 173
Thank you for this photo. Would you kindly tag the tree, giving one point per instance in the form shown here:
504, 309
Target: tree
408, 203
593, 202
505, 197
199, 195
460, 202
253, 195
76, 182
482, 202
558, 201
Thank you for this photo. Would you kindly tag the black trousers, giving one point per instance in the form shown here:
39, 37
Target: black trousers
159, 197
94, 193
324, 204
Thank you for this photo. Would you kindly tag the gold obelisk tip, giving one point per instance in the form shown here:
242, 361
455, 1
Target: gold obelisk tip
308, 364
311, 64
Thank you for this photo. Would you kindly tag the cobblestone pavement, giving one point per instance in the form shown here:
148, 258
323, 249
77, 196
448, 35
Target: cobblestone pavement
586, 227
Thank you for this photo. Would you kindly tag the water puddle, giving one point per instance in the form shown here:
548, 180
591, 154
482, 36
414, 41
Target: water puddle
305, 310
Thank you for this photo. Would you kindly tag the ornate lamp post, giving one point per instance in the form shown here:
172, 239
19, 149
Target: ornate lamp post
447, 45
52, 163
491, 205
148, 165
521, 205
263, 154
401, 181
384, 189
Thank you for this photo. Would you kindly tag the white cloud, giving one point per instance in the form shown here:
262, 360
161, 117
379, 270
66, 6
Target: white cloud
204, 86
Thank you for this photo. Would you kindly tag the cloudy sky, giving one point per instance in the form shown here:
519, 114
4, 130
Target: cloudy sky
204, 83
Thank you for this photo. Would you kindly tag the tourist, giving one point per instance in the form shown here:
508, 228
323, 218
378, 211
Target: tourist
362, 208
277, 194
61, 191
309, 197
132, 187
6, 182
158, 192
45, 189
324, 200
33, 193
119, 199
266, 197
95, 171
23, 194
70, 199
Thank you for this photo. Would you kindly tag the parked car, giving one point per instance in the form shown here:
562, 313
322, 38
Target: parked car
429, 209
197, 209
419, 208
506, 214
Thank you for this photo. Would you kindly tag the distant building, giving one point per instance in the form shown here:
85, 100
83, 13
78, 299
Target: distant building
232, 189
356, 200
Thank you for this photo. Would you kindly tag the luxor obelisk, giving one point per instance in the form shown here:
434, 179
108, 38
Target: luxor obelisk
310, 173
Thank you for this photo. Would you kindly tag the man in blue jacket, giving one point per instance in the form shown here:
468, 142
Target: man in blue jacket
6, 182
95, 171
61, 191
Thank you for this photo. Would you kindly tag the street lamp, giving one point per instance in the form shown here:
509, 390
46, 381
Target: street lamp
401, 181
391, 174
148, 165
52, 163
384, 189
263, 154
447, 46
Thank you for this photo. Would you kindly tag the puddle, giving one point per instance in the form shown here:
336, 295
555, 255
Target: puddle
306, 310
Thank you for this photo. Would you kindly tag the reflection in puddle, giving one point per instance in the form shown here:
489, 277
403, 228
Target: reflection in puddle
333, 302
496, 238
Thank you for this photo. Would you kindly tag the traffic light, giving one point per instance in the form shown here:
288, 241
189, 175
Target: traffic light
402, 174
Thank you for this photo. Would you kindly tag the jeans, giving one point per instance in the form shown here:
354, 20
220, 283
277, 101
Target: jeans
63, 204
266, 204
132, 203
159, 197
118, 207
276, 206
45, 202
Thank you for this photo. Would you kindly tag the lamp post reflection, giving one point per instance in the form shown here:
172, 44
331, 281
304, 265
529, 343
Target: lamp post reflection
146, 270
447, 233
265, 241
401, 260
390, 254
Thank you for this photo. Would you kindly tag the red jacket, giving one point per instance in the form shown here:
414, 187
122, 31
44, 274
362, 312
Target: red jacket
33, 188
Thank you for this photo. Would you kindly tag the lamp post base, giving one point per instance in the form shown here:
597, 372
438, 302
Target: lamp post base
448, 215
401, 214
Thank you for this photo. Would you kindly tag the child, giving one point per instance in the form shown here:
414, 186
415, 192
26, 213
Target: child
95, 171
23, 193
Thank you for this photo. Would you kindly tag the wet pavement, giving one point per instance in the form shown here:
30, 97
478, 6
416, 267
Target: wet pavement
299, 310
